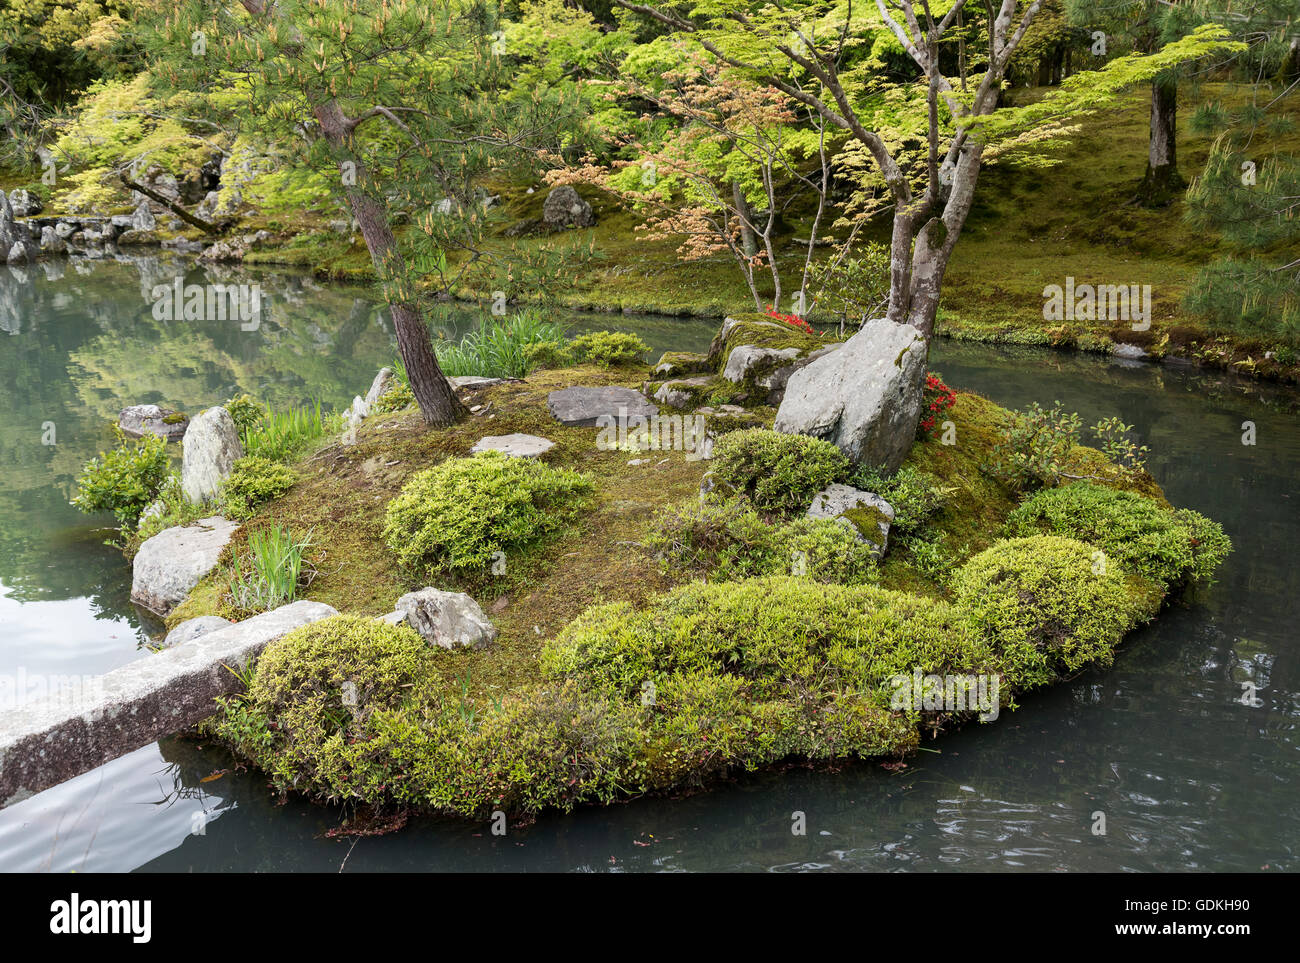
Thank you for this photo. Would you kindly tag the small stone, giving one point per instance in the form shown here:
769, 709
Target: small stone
866, 514
449, 620
136, 421
583, 407
517, 445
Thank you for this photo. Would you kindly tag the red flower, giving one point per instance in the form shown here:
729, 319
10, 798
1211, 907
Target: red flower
791, 319
938, 399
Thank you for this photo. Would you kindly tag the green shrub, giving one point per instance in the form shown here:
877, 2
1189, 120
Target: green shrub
1035, 448
548, 354
1155, 542
246, 413
174, 508
1047, 606
272, 572
778, 472
252, 481
459, 514
609, 348
727, 539
125, 480
396, 398
916, 496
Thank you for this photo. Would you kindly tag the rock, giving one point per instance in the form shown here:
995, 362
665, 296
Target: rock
121, 222
383, 381
582, 406
525, 227
357, 412
136, 421
868, 515
516, 445
564, 207
676, 364
683, 392
211, 448
51, 242
472, 382
864, 397
142, 218
234, 248
450, 620
17, 253
747, 358
191, 629
171, 563
8, 227
393, 618
127, 238
1130, 352
208, 206
25, 203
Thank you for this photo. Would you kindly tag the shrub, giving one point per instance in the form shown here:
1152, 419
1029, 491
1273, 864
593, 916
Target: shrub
246, 413
1035, 448
938, 398
270, 575
459, 514
314, 690
726, 539
548, 354
1047, 606
609, 348
252, 481
125, 480
916, 496
778, 472
1155, 542
396, 398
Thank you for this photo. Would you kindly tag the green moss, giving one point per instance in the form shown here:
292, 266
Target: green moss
760, 331
866, 520
678, 364
175, 418
778, 472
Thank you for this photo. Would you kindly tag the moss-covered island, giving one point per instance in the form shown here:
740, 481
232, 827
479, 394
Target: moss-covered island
654, 639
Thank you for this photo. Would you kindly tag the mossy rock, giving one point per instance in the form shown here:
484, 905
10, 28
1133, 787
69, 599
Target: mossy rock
758, 331
681, 364
694, 392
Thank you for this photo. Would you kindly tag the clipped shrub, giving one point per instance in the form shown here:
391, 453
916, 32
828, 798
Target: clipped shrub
396, 398
459, 514
125, 480
609, 348
252, 481
727, 539
1162, 544
778, 472
313, 692
548, 354
1047, 606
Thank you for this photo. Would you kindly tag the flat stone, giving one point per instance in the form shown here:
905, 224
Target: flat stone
471, 382
171, 563
1131, 352
517, 445
136, 421
449, 620
582, 407
835, 500
50, 740
191, 629
393, 618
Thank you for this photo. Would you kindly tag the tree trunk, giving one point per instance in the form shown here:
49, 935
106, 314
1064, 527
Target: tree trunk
433, 392
205, 226
1162, 181
749, 243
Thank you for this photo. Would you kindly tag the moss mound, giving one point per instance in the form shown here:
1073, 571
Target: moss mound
776, 471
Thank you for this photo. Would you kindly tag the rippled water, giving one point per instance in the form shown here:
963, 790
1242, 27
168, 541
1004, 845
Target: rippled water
1187, 776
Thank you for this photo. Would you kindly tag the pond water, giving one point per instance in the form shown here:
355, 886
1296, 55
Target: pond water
1188, 777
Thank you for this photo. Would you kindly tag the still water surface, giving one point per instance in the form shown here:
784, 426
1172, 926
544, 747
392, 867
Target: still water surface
1188, 777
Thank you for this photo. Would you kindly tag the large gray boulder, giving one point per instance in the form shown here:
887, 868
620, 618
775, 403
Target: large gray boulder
583, 407
867, 515
865, 397
25, 203
449, 620
142, 218
171, 563
211, 448
136, 421
564, 207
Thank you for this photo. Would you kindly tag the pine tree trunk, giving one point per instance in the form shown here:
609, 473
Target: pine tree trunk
438, 403
1162, 181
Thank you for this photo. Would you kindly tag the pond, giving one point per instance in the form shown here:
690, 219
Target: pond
1187, 776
